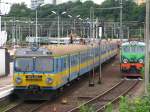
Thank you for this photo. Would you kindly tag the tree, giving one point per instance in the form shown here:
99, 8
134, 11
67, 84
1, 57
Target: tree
20, 10
131, 11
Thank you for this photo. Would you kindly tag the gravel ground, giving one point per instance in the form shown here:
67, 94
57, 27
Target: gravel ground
110, 76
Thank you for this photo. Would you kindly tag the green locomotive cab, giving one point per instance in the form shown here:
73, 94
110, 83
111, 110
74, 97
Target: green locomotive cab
132, 56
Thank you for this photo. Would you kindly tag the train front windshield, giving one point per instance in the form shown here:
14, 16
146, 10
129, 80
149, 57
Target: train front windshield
24, 64
34, 64
133, 49
44, 65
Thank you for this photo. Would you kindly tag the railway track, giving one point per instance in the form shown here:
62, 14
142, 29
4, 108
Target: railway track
26, 106
100, 102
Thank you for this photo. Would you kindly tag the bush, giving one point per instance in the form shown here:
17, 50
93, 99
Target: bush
87, 109
138, 105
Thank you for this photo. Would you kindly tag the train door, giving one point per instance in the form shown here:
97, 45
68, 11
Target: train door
74, 66
64, 69
79, 62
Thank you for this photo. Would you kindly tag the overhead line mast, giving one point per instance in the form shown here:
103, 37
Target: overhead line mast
147, 36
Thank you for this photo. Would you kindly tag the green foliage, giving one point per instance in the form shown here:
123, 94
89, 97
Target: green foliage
109, 108
143, 70
123, 105
131, 11
87, 109
20, 10
136, 105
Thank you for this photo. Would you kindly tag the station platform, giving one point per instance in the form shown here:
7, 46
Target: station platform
6, 86
6, 83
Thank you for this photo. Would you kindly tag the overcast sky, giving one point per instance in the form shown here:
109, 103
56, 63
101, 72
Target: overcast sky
47, 1
5, 8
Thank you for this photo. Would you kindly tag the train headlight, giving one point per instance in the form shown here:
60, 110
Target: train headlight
125, 61
141, 61
49, 80
18, 80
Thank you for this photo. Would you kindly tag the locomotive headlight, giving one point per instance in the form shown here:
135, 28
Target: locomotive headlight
141, 61
125, 61
49, 80
18, 80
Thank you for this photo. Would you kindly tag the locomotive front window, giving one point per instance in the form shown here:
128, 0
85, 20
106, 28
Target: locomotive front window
141, 49
24, 64
133, 49
137, 49
126, 49
44, 64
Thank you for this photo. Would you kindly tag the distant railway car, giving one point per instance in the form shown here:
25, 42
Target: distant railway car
132, 56
40, 72
4, 61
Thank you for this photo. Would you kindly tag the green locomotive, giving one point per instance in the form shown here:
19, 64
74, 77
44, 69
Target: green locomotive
132, 56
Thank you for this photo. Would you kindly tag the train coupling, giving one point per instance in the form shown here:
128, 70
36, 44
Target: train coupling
34, 88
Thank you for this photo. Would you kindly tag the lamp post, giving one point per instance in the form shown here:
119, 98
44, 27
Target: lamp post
81, 27
70, 16
74, 21
87, 27
29, 27
36, 31
99, 34
58, 24
121, 30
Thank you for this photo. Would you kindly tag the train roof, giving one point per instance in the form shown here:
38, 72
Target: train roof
133, 43
53, 50
59, 49
67, 49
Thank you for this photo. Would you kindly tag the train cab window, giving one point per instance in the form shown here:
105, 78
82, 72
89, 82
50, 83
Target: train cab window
141, 49
23, 64
126, 49
137, 49
133, 49
44, 64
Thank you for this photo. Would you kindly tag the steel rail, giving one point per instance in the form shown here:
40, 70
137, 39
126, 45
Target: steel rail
117, 98
34, 107
76, 109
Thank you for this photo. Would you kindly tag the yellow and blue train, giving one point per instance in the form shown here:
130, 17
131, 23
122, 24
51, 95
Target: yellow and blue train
40, 72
